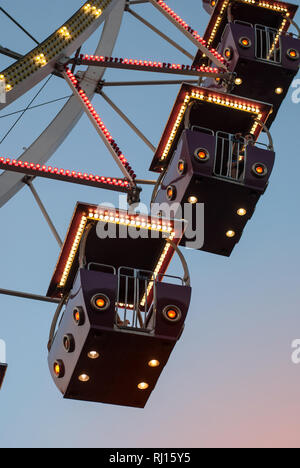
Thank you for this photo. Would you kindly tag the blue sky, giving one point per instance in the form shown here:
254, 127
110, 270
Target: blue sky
230, 381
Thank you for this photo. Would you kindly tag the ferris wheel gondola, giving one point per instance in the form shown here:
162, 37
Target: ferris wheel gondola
114, 293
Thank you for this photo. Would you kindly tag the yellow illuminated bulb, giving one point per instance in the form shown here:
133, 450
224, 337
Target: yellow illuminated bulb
93, 355
143, 386
153, 363
84, 378
242, 212
230, 234
193, 200
238, 81
278, 91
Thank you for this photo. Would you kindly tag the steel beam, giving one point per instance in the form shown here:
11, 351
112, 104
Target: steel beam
33, 297
80, 98
189, 33
128, 121
160, 33
153, 67
28, 181
67, 176
142, 83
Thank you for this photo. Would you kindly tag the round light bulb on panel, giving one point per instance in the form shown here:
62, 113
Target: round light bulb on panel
238, 81
93, 355
153, 363
84, 378
193, 200
279, 91
241, 212
143, 386
230, 234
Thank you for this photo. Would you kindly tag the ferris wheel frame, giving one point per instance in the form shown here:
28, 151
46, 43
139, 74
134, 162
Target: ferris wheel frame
42, 149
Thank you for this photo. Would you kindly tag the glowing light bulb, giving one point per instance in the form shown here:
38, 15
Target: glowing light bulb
143, 386
93, 355
230, 233
153, 363
84, 378
242, 212
193, 200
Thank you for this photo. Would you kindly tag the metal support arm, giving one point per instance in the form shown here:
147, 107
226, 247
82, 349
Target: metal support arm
191, 34
160, 33
99, 126
33, 297
150, 66
126, 119
28, 181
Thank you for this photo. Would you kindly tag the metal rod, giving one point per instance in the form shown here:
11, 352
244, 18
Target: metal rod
27, 181
78, 179
189, 33
76, 57
36, 106
145, 83
152, 67
137, 2
267, 131
19, 26
10, 53
23, 295
55, 320
97, 128
294, 24
146, 182
161, 34
23, 113
187, 276
126, 119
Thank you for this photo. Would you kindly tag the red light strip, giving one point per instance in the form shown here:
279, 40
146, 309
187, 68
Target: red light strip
38, 170
100, 127
147, 65
212, 54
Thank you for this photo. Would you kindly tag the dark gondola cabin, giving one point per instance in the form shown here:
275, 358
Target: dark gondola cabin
209, 154
254, 39
123, 314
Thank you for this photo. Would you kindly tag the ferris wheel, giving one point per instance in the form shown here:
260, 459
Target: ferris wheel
54, 57
209, 152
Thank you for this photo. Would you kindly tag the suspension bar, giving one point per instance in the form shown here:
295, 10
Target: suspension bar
159, 32
28, 181
100, 127
23, 295
49, 172
190, 33
149, 66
